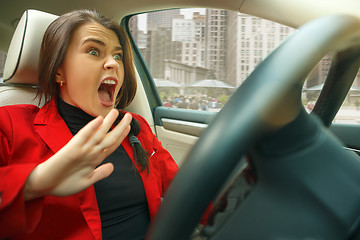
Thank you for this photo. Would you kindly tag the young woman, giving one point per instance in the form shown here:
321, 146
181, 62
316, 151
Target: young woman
72, 169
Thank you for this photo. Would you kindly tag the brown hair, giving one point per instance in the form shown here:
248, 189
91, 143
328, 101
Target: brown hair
56, 42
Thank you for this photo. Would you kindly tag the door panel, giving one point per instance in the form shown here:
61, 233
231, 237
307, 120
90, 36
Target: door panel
179, 129
349, 134
178, 144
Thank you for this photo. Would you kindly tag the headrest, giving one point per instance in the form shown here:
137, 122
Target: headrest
21, 65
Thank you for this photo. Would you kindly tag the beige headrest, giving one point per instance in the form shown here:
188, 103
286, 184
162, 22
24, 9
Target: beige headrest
21, 65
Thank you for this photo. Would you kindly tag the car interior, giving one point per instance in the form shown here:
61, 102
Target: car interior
270, 169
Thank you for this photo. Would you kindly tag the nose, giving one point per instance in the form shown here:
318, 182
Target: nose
111, 63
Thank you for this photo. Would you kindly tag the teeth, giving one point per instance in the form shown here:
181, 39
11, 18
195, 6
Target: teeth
109, 82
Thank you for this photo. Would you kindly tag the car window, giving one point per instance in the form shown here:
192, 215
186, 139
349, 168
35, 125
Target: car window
349, 112
199, 57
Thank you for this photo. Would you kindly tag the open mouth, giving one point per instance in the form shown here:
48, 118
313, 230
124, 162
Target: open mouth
106, 92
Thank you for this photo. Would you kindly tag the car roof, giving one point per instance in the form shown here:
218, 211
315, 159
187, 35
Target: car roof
290, 12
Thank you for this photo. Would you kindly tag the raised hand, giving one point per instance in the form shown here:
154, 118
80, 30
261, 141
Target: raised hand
75, 167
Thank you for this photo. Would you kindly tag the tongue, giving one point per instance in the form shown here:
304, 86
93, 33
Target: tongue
104, 97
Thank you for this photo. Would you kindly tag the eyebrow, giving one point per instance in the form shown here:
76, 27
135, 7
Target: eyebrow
98, 42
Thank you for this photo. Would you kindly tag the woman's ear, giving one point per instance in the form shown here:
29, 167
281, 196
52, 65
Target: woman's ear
59, 75
59, 79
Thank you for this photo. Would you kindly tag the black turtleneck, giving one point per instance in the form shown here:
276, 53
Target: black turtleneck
121, 196
75, 118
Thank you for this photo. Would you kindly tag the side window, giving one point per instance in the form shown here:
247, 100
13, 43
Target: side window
198, 57
349, 113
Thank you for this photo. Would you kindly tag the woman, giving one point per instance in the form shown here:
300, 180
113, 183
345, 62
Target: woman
67, 171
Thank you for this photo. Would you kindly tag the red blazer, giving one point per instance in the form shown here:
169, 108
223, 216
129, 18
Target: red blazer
29, 136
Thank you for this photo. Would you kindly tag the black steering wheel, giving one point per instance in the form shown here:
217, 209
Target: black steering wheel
307, 185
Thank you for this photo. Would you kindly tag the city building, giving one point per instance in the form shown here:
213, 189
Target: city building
161, 19
250, 40
216, 43
180, 44
183, 30
160, 50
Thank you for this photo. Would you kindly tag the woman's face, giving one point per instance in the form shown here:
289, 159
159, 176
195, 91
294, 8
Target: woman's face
92, 70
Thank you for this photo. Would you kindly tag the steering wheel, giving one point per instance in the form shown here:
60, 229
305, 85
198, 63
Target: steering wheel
300, 168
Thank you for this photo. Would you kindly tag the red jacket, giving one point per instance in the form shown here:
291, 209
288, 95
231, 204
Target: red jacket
29, 136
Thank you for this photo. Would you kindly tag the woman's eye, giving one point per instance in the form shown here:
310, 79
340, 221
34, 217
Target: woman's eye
93, 52
118, 57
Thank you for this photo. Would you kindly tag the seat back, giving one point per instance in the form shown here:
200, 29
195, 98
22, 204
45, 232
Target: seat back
21, 65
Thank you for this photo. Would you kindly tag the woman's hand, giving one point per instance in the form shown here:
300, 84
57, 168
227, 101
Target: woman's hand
74, 167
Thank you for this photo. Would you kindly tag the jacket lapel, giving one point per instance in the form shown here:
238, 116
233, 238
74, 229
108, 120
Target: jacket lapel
51, 127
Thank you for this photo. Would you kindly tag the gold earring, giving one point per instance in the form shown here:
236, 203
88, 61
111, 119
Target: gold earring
59, 79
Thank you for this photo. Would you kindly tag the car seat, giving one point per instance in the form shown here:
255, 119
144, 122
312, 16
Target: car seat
21, 65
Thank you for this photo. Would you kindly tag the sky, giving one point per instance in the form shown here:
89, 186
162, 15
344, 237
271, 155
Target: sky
187, 12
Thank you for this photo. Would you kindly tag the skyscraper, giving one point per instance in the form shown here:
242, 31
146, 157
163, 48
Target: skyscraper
216, 43
161, 19
250, 41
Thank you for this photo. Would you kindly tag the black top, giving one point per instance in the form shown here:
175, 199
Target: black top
121, 196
